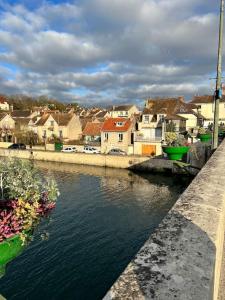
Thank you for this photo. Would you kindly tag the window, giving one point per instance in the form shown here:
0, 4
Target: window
120, 137
146, 119
44, 133
51, 123
119, 124
106, 136
60, 133
126, 113
161, 117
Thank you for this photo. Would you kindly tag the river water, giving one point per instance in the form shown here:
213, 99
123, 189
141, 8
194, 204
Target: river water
102, 218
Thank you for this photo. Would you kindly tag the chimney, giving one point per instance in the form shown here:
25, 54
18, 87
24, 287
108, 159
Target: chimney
181, 98
149, 104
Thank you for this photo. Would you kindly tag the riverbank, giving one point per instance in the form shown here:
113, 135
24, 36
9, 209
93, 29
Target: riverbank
134, 163
100, 160
196, 158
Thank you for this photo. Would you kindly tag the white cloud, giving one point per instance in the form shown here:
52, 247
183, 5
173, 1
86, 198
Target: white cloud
145, 46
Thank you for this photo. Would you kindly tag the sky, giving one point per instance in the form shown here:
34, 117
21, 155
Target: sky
99, 52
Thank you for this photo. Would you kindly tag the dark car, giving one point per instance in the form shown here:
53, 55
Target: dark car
17, 146
116, 151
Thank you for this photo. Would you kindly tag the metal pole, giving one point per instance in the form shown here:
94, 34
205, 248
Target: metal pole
218, 92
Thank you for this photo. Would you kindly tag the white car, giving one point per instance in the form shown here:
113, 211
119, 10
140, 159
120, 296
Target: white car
69, 149
89, 149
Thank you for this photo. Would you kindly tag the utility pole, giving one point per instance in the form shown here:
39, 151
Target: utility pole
218, 92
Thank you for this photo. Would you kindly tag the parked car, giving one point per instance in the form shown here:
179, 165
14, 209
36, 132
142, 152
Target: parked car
69, 149
89, 149
116, 151
17, 146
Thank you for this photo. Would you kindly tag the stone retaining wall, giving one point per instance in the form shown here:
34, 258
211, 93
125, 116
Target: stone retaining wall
100, 160
182, 259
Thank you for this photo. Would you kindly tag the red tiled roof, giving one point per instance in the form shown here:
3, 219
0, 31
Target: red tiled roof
111, 124
3, 99
92, 129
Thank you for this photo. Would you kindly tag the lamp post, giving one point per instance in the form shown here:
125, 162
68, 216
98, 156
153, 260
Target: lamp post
218, 92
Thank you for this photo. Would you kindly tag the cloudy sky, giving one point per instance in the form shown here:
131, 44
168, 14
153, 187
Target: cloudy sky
104, 51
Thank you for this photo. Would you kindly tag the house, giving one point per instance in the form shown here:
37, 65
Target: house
61, 125
92, 132
123, 111
205, 106
102, 115
4, 105
24, 119
21, 114
149, 133
192, 115
22, 124
7, 127
176, 106
117, 133
161, 115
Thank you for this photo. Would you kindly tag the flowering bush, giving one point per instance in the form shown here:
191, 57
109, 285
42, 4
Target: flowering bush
203, 130
27, 197
175, 140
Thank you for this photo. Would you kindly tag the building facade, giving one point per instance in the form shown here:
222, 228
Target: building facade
117, 133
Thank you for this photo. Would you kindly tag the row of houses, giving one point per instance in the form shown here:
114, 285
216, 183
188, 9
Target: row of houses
123, 126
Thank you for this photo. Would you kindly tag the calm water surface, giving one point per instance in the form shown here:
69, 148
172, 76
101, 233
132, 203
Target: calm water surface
102, 218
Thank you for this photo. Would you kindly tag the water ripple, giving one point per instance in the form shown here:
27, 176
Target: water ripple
102, 218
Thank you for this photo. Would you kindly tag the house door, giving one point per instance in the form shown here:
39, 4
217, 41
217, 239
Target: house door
148, 150
132, 138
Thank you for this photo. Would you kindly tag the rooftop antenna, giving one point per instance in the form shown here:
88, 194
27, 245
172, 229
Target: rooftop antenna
218, 91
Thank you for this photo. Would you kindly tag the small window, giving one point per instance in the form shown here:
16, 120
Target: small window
119, 124
120, 137
44, 133
51, 123
146, 119
106, 136
161, 117
60, 133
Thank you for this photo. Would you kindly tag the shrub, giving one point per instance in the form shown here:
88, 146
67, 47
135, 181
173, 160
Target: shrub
174, 139
28, 197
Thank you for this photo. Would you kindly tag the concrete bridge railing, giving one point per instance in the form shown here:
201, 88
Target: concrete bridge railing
182, 259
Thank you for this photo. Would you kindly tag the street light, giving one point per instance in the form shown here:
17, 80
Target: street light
218, 92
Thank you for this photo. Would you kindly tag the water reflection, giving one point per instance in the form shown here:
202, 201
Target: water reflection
103, 216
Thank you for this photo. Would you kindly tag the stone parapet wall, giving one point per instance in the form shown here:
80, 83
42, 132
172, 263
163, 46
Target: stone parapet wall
182, 258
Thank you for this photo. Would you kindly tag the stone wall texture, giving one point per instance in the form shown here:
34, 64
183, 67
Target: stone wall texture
182, 258
100, 160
